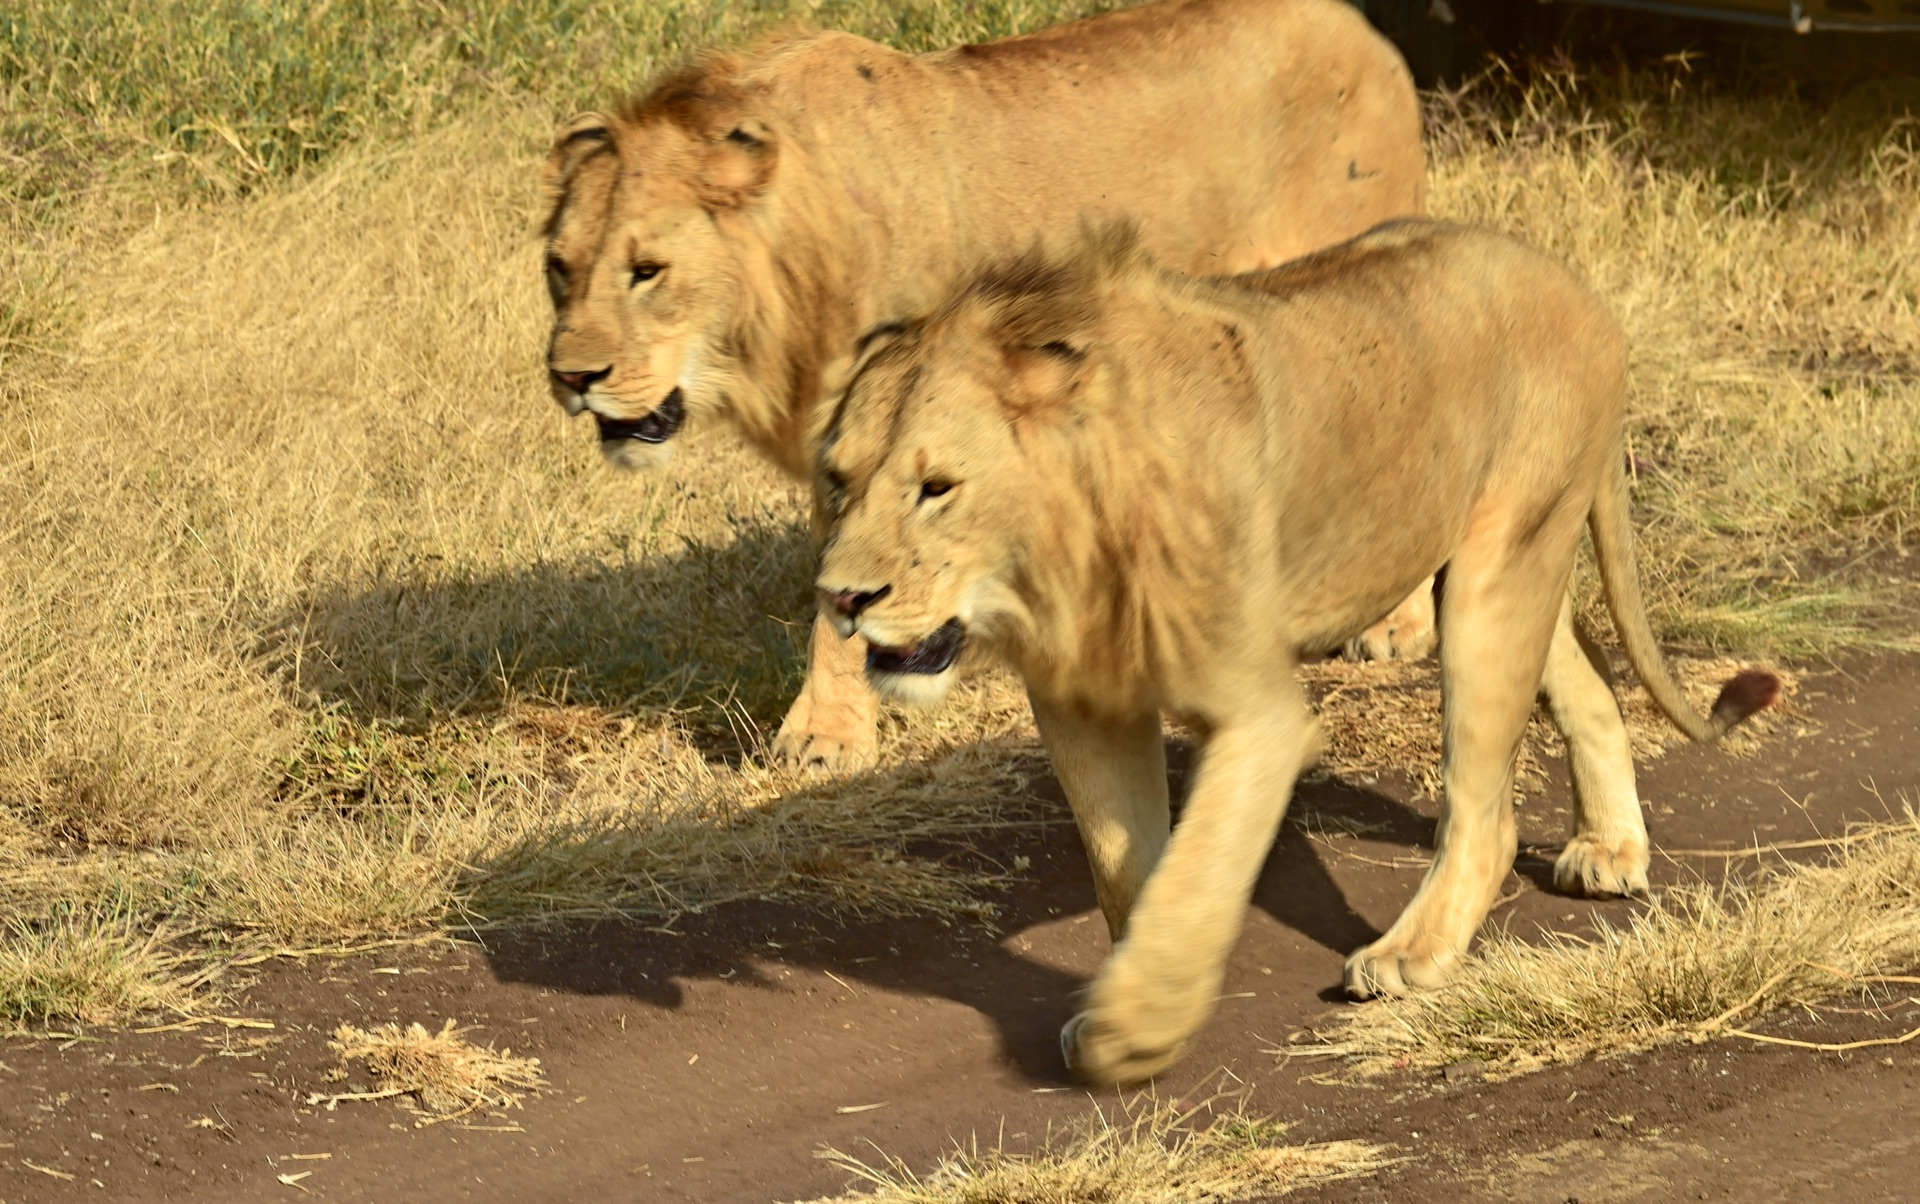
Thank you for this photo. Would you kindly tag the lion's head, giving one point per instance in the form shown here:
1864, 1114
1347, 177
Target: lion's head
643, 259
956, 476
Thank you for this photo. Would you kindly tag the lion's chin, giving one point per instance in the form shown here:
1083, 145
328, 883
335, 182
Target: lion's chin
914, 689
631, 455
643, 444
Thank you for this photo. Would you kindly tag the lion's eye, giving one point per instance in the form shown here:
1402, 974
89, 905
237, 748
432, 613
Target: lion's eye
643, 272
935, 487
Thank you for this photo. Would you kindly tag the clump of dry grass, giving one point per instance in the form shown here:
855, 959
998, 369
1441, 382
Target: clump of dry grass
1685, 968
1158, 1156
449, 1075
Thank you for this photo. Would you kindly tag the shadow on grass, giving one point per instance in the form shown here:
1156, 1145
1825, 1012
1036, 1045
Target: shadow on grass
928, 956
1771, 118
721, 621
662, 631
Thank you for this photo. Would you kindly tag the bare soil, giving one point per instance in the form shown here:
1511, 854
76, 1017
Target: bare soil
709, 1061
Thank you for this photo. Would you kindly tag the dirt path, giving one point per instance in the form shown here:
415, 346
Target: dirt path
709, 1063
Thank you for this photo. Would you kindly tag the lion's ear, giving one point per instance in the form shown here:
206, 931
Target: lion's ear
1050, 373
578, 140
741, 156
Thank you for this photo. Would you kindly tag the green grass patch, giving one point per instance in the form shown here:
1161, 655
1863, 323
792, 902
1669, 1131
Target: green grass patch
226, 94
92, 962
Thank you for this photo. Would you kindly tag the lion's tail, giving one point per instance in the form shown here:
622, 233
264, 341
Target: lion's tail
1749, 691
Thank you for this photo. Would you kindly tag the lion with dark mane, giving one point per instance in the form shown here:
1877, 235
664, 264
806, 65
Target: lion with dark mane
716, 245
1158, 495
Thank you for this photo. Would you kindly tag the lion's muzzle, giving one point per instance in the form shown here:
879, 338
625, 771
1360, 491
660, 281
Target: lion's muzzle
580, 382
847, 604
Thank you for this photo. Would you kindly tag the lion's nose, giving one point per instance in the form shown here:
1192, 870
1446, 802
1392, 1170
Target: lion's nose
850, 603
580, 382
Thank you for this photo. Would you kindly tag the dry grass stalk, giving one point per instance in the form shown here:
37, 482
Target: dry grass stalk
446, 1073
1158, 1156
1686, 968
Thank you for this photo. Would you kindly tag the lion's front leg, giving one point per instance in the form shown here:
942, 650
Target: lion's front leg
1407, 634
1114, 773
834, 722
1164, 977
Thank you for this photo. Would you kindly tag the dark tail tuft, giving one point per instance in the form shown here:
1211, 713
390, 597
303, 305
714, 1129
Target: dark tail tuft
1749, 692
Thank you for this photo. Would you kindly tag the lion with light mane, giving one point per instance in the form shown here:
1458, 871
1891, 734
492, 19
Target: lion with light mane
715, 246
1153, 494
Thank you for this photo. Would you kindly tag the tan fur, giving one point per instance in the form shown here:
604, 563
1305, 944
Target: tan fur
1157, 495
799, 195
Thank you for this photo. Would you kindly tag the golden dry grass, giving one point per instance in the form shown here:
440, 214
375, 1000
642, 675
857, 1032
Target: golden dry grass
1700, 959
1159, 1155
326, 609
1763, 256
319, 623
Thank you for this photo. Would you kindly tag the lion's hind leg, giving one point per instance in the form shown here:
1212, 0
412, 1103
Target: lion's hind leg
1497, 621
1607, 853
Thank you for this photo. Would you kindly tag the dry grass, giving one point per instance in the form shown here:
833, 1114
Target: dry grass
449, 1075
319, 623
90, 964
380, 644
222, 96
1764, 258
1686, 968
1158, 1156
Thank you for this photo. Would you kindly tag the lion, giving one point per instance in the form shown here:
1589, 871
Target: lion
1158, 495
714, 247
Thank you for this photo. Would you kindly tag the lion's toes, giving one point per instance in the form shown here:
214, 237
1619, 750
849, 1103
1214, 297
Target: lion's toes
1100, 1049
1394, 969
824, 751
1408, 634
1598, 869
805, 742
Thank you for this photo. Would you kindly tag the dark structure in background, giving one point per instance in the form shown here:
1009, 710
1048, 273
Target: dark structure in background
1831, 41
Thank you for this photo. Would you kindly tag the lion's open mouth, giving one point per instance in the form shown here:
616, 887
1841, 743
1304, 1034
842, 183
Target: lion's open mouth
656, 427
930, 656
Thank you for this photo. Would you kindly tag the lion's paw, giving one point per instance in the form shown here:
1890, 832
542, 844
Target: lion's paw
1099, 1049
1599, 870
809, 738
1395, 968
1408, 634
